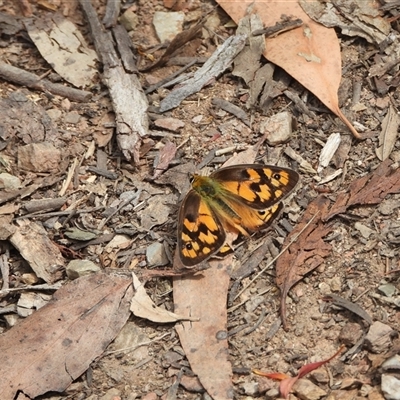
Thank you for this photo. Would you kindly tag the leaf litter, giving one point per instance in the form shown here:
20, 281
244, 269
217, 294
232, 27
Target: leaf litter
168, 159
58, 342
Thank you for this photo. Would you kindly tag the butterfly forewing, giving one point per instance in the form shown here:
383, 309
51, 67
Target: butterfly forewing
258, 186
200, 232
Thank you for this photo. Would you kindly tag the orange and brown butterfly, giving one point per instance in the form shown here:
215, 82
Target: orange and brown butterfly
240, 199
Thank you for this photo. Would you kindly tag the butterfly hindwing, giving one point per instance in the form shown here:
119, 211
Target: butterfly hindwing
201, 233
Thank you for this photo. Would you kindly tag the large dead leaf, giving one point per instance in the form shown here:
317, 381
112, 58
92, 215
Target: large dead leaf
48, 350
310, 54
306, 253
205, 342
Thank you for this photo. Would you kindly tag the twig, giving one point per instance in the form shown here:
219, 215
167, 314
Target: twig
24, 78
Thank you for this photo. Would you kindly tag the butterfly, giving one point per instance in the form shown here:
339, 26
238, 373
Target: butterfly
240, 199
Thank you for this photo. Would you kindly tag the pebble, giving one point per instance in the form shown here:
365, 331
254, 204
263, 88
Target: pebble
278, 127
172, 124
250, 388
168, 24
390, 387
392, 363
8, 181
39, 157
192, 384
150, 396
155, 255
78, 268
364, 230
378, 337
54, 114
129, 19
350, 333
388, 289
72, 117
307, 390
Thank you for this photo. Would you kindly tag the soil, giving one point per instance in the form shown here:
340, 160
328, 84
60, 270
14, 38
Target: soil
359, 267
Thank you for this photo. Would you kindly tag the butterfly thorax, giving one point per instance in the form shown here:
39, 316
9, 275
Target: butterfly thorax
214, 194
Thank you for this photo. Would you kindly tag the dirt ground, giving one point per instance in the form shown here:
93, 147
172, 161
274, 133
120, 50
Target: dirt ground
360, 268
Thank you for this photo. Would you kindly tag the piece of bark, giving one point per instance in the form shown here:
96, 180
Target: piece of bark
55, 345
124, 43
232, 109
220, 60
43, 256
129, 102
113, 9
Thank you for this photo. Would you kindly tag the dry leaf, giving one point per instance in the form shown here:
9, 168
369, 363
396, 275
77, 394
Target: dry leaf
306, 253
55, 345
310, 54
389, 133
62, 45
369, 189
143, 307
205, 342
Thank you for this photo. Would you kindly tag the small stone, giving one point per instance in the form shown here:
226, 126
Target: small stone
170, 357
8, 181
388, 290
364, 230
54, 114
271, 394
168, 24
197, 119
111, 394
250, 388
77, 268
320, 375
324, 288
392, 363
378, 337
129, 19
336, 284
39, 157
192, 384
155, 255
307, 390
172, 124
350, 333
72, 117
390, 387
150, 396
278, 128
